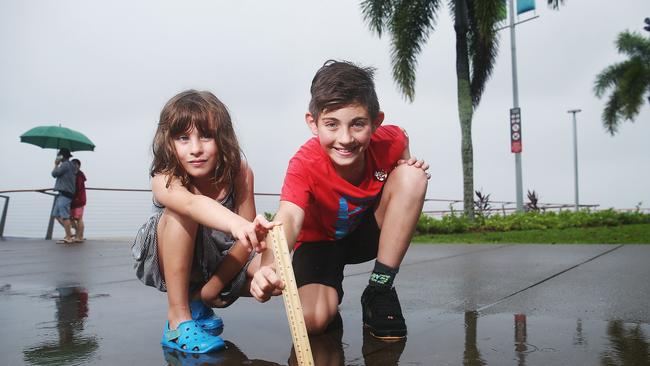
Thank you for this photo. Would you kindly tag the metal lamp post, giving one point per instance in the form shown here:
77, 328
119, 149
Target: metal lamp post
515, 111
575, 155
515, 107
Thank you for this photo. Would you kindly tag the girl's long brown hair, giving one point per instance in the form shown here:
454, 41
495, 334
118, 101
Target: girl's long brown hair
205, 112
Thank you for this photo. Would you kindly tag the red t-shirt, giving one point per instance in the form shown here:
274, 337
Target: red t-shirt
333, 206
79, 199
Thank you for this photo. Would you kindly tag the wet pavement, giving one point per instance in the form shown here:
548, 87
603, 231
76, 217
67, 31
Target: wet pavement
464, 305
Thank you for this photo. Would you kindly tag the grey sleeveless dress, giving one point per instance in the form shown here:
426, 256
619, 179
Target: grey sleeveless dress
211, 246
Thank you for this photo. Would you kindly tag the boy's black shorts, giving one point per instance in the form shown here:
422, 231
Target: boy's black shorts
322, 262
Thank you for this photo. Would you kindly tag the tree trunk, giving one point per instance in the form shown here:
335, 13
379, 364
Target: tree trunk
465, 109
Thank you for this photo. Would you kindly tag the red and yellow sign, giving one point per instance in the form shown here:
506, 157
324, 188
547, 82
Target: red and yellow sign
515, 130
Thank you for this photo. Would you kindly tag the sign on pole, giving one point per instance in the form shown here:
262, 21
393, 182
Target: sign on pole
515, 130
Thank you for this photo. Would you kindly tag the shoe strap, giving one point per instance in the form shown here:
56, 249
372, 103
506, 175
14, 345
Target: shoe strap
171, 334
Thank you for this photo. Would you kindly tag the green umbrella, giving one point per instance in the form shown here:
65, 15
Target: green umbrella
57, 137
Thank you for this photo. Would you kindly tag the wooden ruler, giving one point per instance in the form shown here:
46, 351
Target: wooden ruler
291, 299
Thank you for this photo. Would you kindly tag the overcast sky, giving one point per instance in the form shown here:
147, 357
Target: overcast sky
106, 68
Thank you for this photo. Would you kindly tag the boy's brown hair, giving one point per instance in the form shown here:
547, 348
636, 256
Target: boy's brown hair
340, 83
205, 112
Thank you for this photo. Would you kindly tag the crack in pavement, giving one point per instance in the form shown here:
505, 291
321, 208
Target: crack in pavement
548, 278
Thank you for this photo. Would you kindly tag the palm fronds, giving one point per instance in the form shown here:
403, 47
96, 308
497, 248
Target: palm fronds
629, 81
409, 24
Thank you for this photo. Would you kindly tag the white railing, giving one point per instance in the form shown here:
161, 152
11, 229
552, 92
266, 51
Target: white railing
119, 212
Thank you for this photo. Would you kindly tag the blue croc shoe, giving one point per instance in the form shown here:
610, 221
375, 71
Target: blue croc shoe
206, 318
191, 338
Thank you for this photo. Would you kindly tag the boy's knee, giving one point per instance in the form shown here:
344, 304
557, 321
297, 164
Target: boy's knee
410, 179
316, 323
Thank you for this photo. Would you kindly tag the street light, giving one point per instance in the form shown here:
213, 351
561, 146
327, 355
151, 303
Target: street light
516, 111
575, 154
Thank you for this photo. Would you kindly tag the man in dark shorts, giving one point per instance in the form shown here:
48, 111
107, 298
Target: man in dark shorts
64, 172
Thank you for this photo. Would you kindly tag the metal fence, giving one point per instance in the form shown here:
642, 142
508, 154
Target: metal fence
109, 212
441, 207
119, 212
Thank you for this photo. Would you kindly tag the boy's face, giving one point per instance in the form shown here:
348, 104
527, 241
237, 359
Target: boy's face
345, 134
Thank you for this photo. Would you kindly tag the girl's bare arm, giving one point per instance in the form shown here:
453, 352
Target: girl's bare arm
206, 211
238, 254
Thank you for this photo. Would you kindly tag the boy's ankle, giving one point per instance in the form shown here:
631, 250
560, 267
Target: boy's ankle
382, 275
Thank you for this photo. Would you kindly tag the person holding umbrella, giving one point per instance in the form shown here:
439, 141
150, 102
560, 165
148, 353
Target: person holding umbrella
64, 140
64, 172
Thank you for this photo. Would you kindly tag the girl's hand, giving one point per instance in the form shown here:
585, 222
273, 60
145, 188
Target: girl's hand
252, 234
413, 161
262, 228
217, 302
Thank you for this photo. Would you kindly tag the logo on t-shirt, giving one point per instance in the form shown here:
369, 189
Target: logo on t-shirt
351, 211
381, 175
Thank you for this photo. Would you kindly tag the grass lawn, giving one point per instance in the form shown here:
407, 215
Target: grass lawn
624, 234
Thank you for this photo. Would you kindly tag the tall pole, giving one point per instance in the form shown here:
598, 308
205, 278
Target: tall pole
575, 156
515, 103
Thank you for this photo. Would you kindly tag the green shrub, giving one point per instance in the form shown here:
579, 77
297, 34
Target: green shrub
533, 220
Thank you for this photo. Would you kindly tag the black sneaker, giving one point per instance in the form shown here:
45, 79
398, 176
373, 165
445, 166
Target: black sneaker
382, 314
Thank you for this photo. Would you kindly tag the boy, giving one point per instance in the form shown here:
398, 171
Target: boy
351, 194
78, 203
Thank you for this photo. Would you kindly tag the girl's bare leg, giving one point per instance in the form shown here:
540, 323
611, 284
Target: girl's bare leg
176, 236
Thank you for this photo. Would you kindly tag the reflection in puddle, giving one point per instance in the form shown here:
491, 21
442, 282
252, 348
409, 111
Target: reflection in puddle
70, 346
231, 355
377, 352
521, 346
552, 341
471, 355
579, 338
328, 349
628, 345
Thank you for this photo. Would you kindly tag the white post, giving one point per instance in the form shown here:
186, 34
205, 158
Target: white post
575, 156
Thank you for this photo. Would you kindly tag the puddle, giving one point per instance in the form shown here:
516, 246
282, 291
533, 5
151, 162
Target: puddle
69, 326
518, 339
63, 340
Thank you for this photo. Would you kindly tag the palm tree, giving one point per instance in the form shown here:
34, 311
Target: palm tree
476, 25
629, 81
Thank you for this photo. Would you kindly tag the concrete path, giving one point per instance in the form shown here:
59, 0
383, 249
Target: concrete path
464, 304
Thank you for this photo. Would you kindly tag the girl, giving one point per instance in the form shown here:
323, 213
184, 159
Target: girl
197, 245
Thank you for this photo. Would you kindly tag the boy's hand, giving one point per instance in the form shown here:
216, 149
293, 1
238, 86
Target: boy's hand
252, 234
413, 161
266, 283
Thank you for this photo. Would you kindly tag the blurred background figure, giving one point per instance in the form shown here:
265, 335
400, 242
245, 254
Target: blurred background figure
78, 203
64, 172
70, 345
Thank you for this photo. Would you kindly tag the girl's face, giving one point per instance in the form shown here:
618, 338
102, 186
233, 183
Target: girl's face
197, 154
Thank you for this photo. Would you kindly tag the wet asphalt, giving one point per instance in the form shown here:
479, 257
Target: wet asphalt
464, 305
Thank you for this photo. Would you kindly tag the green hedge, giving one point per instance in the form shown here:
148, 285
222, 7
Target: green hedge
451, 224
